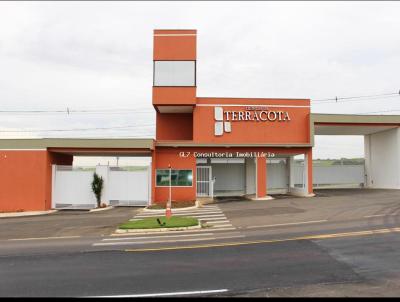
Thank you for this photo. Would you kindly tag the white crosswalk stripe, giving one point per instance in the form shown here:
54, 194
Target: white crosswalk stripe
180, 213
217, 226
132, 242
211, 215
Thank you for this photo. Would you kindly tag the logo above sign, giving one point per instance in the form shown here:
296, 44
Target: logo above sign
223, 118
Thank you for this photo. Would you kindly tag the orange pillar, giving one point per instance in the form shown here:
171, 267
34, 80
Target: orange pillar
153, 176
309, 171
261, 177
54, 159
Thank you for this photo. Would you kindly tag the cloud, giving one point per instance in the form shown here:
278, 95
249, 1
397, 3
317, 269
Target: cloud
99, 55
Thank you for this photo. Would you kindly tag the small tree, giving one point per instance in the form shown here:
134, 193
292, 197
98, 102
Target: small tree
97, 187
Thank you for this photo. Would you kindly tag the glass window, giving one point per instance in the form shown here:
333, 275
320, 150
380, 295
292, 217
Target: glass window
174, 73
179, 178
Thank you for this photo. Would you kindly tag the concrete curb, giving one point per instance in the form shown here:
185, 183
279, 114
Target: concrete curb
303, 195
263, 198
102, 209
152, 231
26, 214
173, 209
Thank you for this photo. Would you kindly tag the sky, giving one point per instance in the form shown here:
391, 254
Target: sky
98, 56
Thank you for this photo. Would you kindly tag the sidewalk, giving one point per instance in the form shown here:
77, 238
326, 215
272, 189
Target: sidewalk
25, 214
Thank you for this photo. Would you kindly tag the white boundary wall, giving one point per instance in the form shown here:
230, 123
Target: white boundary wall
277, 174
129, 188
71, 187
382, 159
250, 166
338, 175
331, 175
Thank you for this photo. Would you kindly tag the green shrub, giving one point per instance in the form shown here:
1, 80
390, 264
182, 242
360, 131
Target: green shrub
97, 187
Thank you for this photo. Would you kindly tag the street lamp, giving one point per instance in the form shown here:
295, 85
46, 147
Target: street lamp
168, 212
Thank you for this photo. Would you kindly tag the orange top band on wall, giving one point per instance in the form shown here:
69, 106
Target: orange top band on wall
174, 45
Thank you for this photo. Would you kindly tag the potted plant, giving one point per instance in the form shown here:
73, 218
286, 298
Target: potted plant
97, 188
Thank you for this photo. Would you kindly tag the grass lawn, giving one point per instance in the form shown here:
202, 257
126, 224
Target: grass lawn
174, 205
152, 223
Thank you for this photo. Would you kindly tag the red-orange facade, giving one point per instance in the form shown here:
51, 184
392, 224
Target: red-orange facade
186, 126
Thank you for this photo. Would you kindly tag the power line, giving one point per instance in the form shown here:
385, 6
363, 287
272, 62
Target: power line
70, 111
80, 129
357, 100
74, 112
357, 97
381, 111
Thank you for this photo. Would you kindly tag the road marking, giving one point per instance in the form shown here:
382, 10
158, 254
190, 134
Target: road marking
152, 241
283, 224
214, 291
217, 221
220, 225
210, 217
164, 241
380, 215
310, 237
164, 236
43, 238
193, 215
206, 229
177, 212
198, 217
223, 229
163, 213
214, 218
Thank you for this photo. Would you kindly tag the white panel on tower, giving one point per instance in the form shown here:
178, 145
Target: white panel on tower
218, 114
219, 128
174, 73
227, 126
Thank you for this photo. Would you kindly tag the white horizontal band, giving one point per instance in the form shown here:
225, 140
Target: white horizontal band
249, 105
173, 35
38, 149
166, 294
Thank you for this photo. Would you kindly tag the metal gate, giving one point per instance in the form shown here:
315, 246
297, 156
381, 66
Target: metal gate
277, 176
129, 186
123, 186
204, 186
72, 187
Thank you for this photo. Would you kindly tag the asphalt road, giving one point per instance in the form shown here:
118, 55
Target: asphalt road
124, 273
65, 223
334, 245
249, 270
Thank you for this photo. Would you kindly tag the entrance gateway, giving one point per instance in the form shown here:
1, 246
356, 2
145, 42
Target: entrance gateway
188, 124
217, 177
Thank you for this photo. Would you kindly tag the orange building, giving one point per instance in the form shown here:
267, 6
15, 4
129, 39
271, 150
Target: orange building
214, 146
199, 137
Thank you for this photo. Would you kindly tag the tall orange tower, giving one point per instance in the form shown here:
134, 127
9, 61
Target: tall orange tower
174, 83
